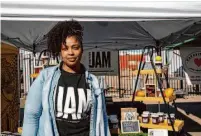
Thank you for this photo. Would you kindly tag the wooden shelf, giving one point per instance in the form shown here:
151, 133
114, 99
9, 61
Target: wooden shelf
144, 72
178, 125
153, 99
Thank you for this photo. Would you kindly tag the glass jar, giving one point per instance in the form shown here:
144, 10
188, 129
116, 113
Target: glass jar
155, 119
147, 113
145, 118
161, 117
172, 117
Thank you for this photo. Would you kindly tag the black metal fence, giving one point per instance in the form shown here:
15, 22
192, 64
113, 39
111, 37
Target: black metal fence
122, 85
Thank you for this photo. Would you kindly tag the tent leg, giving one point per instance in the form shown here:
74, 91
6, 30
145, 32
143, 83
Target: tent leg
158, 77
120, 95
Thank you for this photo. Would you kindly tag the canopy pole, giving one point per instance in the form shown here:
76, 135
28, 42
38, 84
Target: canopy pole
34, 49
120, 95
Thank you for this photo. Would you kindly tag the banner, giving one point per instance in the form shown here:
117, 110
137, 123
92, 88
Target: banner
100, 61
191, 59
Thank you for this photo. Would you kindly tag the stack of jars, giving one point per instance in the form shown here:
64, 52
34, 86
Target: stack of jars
156, 118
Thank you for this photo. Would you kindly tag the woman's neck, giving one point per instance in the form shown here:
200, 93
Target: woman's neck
75, 69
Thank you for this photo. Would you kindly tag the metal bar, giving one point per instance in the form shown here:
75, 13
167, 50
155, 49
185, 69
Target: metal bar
30, 79
197, 33
159, 107
119, 76
175, 106
182, 32
24, 74
40, 56
187, 28
160, 87
183, 35
133, 97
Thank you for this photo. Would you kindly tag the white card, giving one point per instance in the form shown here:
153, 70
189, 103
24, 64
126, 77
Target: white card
157, 132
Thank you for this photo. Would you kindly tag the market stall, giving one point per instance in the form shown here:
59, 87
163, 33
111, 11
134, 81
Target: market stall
112, 29
151, 92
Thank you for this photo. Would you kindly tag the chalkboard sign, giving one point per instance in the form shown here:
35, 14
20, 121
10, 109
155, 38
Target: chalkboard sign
130, 126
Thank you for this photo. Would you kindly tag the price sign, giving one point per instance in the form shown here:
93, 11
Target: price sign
130, 126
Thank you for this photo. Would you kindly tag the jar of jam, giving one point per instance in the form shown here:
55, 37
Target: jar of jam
152, 114
172, 117
161, 117
155, 119
145, 118
147, 113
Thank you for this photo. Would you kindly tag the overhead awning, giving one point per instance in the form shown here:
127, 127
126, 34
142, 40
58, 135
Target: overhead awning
123, 25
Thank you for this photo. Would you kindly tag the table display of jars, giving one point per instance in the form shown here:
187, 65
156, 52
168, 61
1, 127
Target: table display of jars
157, 118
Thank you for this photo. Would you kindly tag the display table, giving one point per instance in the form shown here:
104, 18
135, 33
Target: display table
178, 125
145, 72
153, 99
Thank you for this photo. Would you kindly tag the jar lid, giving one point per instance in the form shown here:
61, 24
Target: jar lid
146, 112
160, 113
155, 115
152, 113
145, 115
172, 115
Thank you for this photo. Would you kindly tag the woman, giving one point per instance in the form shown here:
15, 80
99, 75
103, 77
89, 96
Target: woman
65, 100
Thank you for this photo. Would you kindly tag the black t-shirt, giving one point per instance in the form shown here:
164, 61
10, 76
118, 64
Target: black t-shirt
72, 100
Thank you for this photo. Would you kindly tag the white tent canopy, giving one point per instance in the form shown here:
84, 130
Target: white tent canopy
120, 26
101, 10
109, 35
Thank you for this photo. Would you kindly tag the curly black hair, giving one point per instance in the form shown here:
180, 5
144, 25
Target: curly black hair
58, 34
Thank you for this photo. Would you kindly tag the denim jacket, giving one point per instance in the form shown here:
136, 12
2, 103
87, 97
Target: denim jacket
39, 115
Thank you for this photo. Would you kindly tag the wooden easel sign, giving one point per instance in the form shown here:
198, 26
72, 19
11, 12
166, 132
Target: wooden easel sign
129, 114
130, 126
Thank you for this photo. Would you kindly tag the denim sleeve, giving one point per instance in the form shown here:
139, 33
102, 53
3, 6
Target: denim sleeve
33, 107
102, 127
